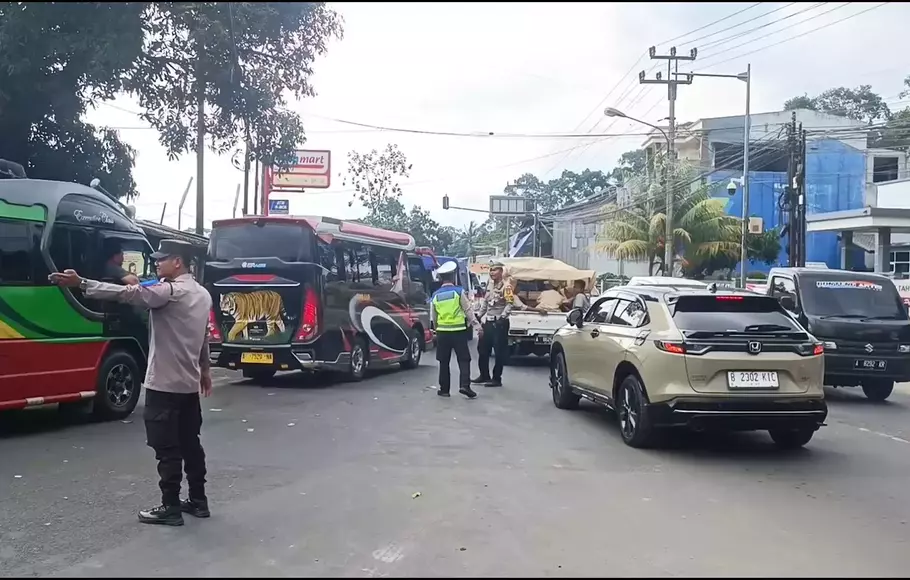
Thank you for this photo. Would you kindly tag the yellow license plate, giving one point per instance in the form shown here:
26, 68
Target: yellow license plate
261, 358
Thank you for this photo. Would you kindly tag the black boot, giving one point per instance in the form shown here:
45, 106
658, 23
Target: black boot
162, 515
195, 507
467, 392
442, 393
480, 380
493, 383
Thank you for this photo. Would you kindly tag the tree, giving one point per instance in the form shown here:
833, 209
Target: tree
374, 177
56, 61
860, 104
633, 162
241, 59
701, 230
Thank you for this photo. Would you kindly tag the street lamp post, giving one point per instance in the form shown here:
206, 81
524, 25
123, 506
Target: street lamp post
747, 130
668, 235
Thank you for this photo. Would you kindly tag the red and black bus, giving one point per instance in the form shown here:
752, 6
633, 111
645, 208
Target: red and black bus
314, 293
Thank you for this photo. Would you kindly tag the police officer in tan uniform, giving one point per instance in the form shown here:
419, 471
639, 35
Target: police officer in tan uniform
178, 372
494, 336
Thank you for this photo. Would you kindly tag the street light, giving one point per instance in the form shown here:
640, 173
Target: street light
668, 235
746, 77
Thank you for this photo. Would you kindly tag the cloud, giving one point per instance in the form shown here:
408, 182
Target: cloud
529, 68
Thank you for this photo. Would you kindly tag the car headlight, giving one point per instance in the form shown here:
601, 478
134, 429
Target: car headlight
832, 346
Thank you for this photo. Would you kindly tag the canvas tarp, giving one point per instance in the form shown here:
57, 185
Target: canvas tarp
546, 269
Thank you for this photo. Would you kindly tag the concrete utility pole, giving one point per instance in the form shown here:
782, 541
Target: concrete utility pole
672, 82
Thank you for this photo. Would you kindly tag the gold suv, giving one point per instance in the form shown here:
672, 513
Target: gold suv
679, 357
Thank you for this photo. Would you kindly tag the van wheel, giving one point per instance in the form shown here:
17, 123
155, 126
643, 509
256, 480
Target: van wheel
415, 350
878, 390
563, 396
634, 425
118, 386
258, 375
360, 360
791, 439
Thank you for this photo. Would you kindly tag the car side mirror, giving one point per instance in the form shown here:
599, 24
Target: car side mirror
575, 317
788, 303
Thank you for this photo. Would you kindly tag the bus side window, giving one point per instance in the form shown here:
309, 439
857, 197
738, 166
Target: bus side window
20, 260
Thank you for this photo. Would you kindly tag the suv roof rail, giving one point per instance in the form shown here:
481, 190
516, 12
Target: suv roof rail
11, 170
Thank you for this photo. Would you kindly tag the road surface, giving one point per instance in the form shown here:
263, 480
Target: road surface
323, 480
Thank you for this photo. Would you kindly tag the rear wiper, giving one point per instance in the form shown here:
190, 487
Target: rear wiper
843, 316
766, 328
884, 317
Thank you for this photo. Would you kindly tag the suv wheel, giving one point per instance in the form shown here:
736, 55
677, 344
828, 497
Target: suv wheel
878, 390
634, 425
563, 397
792, 438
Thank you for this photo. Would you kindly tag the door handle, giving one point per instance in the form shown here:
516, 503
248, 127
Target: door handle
595, 333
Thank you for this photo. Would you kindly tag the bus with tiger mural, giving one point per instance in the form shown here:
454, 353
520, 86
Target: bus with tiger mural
314, 293
56, 345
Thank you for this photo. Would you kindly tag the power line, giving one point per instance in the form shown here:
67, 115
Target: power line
724, 40
770, 12
732, 58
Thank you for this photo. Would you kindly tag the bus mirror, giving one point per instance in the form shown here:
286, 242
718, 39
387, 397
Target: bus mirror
788, 302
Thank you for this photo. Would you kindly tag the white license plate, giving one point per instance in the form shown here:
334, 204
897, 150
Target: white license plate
752, 380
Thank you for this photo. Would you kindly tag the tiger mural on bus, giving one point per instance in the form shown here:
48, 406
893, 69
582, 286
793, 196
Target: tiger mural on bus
249, 307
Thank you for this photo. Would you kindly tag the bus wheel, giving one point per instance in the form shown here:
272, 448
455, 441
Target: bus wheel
360, 360
119, 384
415, 350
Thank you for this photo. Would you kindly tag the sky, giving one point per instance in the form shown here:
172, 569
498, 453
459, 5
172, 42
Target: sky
530, 68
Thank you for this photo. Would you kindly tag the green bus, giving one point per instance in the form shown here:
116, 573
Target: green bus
56, 345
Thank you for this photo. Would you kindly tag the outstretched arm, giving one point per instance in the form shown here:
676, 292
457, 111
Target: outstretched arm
154, 296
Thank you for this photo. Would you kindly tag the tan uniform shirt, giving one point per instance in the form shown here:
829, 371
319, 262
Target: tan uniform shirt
497, 302
179, 315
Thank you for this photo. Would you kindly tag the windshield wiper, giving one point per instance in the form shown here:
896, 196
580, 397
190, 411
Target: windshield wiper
843, 316
884, 317
766, 328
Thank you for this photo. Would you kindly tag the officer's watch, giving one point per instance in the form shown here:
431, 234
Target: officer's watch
83, 284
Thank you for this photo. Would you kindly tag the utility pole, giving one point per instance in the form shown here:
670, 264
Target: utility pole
791, 196
161, 221
246, 170
182, 201
200, 143
800, 187
672, 82
236, 201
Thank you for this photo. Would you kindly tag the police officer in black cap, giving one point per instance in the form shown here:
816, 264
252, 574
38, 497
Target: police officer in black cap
178, 372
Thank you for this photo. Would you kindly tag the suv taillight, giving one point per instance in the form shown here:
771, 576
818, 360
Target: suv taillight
671, 347
811, 349
309, 318
214, 333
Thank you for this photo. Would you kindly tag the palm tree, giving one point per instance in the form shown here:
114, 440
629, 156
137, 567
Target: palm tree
702, 230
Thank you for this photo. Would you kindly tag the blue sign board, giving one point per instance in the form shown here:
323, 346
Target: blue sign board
279, 206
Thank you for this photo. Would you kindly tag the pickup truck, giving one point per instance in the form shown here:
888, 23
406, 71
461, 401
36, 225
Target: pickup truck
531, 331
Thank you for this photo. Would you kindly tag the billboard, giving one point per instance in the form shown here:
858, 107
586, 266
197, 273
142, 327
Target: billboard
311, 169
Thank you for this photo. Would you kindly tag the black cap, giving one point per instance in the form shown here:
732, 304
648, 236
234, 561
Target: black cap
169, 248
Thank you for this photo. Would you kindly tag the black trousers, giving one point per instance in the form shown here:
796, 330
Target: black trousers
495, 338
172, 424
446, 342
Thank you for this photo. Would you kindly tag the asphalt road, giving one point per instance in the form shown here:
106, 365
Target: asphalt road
320, 480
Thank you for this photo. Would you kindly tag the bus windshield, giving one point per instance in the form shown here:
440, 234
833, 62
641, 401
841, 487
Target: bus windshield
291, 242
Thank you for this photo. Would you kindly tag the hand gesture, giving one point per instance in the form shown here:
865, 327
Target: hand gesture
68, 278
205, 384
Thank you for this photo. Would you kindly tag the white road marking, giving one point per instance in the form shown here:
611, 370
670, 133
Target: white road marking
389, 554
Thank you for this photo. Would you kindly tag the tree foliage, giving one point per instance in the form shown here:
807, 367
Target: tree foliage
56, 61
374, 176
631, 163
862, 104
244, 56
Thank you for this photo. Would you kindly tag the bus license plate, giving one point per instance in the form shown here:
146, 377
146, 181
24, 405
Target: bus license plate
870, 365
262, 358
752, 380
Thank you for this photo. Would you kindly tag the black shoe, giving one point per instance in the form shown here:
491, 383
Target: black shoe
443, 393
493, 383
467, 392
162, 515
480, 380
196, 507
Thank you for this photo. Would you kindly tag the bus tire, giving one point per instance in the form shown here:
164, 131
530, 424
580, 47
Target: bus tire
118, 386
360, 360
415, 350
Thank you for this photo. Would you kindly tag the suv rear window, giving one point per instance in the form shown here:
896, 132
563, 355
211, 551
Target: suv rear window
731, 313
288, 242
851, 297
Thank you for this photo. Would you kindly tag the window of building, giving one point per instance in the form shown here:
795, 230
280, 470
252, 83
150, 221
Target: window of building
900, 262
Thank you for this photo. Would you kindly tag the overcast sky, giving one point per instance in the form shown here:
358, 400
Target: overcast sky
531, 68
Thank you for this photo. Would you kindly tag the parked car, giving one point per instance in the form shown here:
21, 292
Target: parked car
665, 357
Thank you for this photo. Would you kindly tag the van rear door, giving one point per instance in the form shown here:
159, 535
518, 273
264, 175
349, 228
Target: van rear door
263, 283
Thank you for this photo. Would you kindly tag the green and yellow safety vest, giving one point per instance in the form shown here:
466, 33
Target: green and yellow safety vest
450, 316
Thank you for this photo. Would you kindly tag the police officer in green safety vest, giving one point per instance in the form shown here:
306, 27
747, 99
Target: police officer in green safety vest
451, 313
